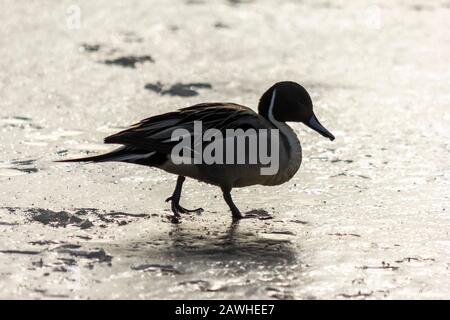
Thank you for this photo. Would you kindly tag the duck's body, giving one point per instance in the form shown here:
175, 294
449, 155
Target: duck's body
237, 176
150, 142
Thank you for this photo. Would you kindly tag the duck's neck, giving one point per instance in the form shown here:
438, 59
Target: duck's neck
293, 147
266, 109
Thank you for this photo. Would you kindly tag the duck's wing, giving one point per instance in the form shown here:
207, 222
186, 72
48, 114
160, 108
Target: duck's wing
149, 141
155, 133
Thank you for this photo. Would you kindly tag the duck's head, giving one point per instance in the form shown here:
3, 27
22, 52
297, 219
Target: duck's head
288, 101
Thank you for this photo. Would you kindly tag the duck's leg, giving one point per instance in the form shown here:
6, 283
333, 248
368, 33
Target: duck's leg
237, 215
175, 199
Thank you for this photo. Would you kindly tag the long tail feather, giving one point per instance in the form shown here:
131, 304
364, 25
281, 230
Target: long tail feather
102, 157
110, 156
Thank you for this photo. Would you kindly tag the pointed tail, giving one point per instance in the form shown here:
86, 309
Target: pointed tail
110, 156
99, 158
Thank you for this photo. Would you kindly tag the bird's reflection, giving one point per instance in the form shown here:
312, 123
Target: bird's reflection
238, 242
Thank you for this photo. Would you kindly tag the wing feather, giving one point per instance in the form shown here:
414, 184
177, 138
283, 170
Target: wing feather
154, 133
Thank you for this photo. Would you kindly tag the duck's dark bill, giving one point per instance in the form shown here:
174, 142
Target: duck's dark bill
314, 124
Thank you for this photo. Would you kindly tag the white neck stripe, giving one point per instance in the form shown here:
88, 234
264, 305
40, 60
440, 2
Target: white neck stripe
270, 113
282, 126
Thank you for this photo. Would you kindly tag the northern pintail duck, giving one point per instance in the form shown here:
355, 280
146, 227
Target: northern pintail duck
149, 142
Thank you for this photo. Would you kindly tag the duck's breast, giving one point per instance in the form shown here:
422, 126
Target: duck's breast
290, 157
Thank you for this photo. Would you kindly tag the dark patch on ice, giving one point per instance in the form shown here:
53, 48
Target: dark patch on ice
195, 2
298, 221
129, 61
237, 2
260, 214
344, 234
339, 160
157, 87
57, 296
83, 218
420, 259
124, 214
27, 170
86, 224
221, 25
27, 166
21, 118
3, 223
85, 211
38, 290
421, 7
164, 268
112, 216
359, 294
43, 242
39, 263
83, 237
319, 158
26, 252
344, 174
59, 269
10, 209
97, 254
286, 232
54, 218
18, 122
178, 89
131, 37
62, 152
23, 162
358, 281
384, 265
68, 261
325, 4
90, 47
68, 246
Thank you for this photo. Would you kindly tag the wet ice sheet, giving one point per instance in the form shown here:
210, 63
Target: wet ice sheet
366, 216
